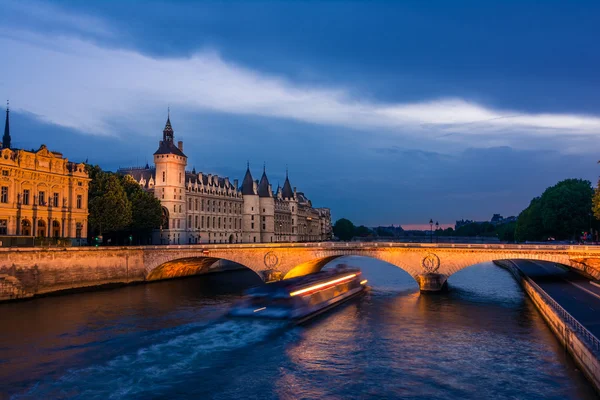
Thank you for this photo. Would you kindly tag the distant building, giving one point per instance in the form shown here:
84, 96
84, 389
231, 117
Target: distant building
42, 194
206, 208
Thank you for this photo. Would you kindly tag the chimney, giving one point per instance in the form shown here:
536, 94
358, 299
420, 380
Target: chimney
294, 190
235, 183
180, 145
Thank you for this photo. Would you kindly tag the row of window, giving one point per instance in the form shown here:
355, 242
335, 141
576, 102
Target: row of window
25, 198
228, 207
41, 230
234, 223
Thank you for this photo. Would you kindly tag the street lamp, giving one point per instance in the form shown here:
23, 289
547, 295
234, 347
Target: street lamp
431, 230
437, 227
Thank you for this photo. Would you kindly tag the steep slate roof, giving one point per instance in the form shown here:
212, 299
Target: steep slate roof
263, 186
287, 192
248, 184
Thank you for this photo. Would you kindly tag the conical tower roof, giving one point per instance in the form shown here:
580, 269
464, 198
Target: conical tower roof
248, 183
287, 192
263, 186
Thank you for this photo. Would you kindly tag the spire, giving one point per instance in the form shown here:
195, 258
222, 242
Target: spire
248, 183
287, 192
263, 186
6, 137
168, 131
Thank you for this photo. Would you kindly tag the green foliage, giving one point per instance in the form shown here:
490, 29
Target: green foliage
120, 208
362, 231
344, 229
146, 209
506, 232
476, 229
563, 211
109, 207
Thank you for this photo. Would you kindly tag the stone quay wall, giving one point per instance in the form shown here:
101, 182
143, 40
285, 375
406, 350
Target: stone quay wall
26, 272
586, 356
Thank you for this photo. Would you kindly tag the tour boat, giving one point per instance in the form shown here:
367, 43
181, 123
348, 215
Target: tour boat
301, 298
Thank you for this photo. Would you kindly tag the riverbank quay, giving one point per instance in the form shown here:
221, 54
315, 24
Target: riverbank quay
571, 310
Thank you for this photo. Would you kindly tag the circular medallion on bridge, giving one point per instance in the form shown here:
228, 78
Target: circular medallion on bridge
430, 263
271, 260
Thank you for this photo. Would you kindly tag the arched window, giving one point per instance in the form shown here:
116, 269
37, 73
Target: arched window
41, 231
25, 227
55, 228
196, 225
219, 222
189, 221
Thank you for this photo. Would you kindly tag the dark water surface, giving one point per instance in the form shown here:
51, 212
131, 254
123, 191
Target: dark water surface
482, 340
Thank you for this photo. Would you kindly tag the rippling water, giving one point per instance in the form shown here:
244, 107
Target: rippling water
482, 339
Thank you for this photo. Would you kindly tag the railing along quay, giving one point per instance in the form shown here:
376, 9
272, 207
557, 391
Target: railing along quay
589, 336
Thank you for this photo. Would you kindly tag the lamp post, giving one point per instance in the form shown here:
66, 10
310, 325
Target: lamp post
437, 227
431, 230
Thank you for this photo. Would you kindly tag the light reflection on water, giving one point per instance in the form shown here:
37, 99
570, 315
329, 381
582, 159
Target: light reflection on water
482, 339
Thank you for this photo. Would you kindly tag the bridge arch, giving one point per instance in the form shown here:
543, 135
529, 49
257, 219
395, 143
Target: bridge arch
190, 266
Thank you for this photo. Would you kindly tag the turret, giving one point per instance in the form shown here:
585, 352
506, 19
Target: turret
251, 214
266, 209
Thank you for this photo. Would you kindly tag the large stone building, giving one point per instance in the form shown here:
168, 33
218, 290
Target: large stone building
205, 208
42, 194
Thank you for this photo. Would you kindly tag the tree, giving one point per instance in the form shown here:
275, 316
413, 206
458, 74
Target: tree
362, 231
506, 232
563, 211
566, 208
146, 213
529, 223
109, 207
344, 229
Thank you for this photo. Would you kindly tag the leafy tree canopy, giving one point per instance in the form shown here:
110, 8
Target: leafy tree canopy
344, 229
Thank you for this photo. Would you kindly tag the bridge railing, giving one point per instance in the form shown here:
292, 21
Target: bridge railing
345, 245
577, 327
333, 246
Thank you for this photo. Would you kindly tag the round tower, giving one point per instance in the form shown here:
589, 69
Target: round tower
169, 188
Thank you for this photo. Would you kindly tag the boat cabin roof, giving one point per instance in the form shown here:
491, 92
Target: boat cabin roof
285, 287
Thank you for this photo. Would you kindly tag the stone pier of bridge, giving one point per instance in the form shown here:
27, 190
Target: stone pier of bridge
25, 272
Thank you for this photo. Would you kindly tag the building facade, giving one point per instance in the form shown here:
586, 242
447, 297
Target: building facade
206, 208
42, 194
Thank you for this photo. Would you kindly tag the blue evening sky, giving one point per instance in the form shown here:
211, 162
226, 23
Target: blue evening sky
386, 112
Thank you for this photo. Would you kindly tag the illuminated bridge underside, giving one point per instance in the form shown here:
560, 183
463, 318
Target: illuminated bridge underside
429, 265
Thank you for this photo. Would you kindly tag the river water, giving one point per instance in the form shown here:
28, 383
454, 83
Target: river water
483, 339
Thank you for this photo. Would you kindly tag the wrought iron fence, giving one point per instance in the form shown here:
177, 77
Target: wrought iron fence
577, 327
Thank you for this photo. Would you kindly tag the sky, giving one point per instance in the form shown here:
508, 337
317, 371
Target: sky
385, 112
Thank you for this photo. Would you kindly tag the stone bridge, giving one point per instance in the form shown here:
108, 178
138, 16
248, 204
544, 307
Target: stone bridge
429, 264
25, 272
